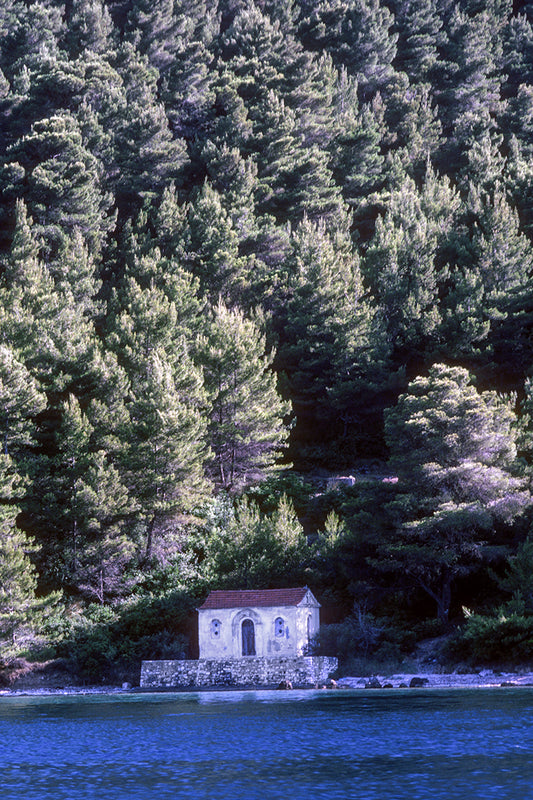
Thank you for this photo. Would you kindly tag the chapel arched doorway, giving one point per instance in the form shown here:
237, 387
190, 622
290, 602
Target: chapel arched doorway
248, 637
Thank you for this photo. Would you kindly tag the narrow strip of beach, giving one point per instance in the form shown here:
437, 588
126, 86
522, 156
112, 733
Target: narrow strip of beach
485, 678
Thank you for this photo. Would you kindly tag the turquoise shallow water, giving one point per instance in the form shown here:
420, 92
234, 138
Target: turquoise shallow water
365, 745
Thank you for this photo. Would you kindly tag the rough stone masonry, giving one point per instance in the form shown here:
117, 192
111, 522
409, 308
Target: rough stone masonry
302, 672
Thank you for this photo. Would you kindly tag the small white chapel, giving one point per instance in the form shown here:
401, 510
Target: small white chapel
249, 638
257, 622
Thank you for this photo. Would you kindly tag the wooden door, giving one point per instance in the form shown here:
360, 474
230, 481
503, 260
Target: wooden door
248, 638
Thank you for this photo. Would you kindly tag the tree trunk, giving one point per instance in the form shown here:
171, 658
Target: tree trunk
442, 597
149, 540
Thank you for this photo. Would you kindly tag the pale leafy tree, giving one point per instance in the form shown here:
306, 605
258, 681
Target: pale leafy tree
249, 549
453, 451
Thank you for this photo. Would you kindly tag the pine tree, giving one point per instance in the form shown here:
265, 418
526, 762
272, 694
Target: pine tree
234, 177
29, 305
293, 180
282, 11
484, 164
177, 37
90, 28
519, 181
61, 184
46, 313
212, 247
257, 53
79, 497
169, 221
53, 86
518, 119
401, 268
358, 162
493, 262
453, 451
469, 91
18, 580
246, 426
311, 88
505, 255
420, 36
518, 53
147, 156
20, 403
155, 29
411, 116
231, 125
19, 605
166, 444
31, 30
330, 347
358, 36
288, 99
155, 321
156, 308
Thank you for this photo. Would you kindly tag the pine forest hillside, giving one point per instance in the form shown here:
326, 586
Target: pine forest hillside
245, 245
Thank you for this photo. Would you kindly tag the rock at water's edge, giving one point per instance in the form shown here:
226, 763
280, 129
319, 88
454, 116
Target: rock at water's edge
417, 682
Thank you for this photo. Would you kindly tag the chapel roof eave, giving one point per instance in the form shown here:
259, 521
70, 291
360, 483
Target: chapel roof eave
258, 598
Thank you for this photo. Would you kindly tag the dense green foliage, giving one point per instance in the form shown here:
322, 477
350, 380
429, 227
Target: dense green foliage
239, 237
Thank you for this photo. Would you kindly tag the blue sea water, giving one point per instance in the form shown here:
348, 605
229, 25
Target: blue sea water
267, 745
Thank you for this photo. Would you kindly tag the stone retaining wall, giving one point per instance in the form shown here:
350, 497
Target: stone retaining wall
305, 671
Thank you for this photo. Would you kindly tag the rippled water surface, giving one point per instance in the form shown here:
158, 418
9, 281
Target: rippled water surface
269, 746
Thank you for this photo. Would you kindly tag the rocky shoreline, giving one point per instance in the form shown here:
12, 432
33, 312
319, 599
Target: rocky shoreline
486, 678
53, 677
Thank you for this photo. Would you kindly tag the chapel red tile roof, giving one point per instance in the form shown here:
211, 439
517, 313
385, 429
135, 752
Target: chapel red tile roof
254, 597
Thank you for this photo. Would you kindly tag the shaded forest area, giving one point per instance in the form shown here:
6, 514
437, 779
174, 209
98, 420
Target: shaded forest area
243, 246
